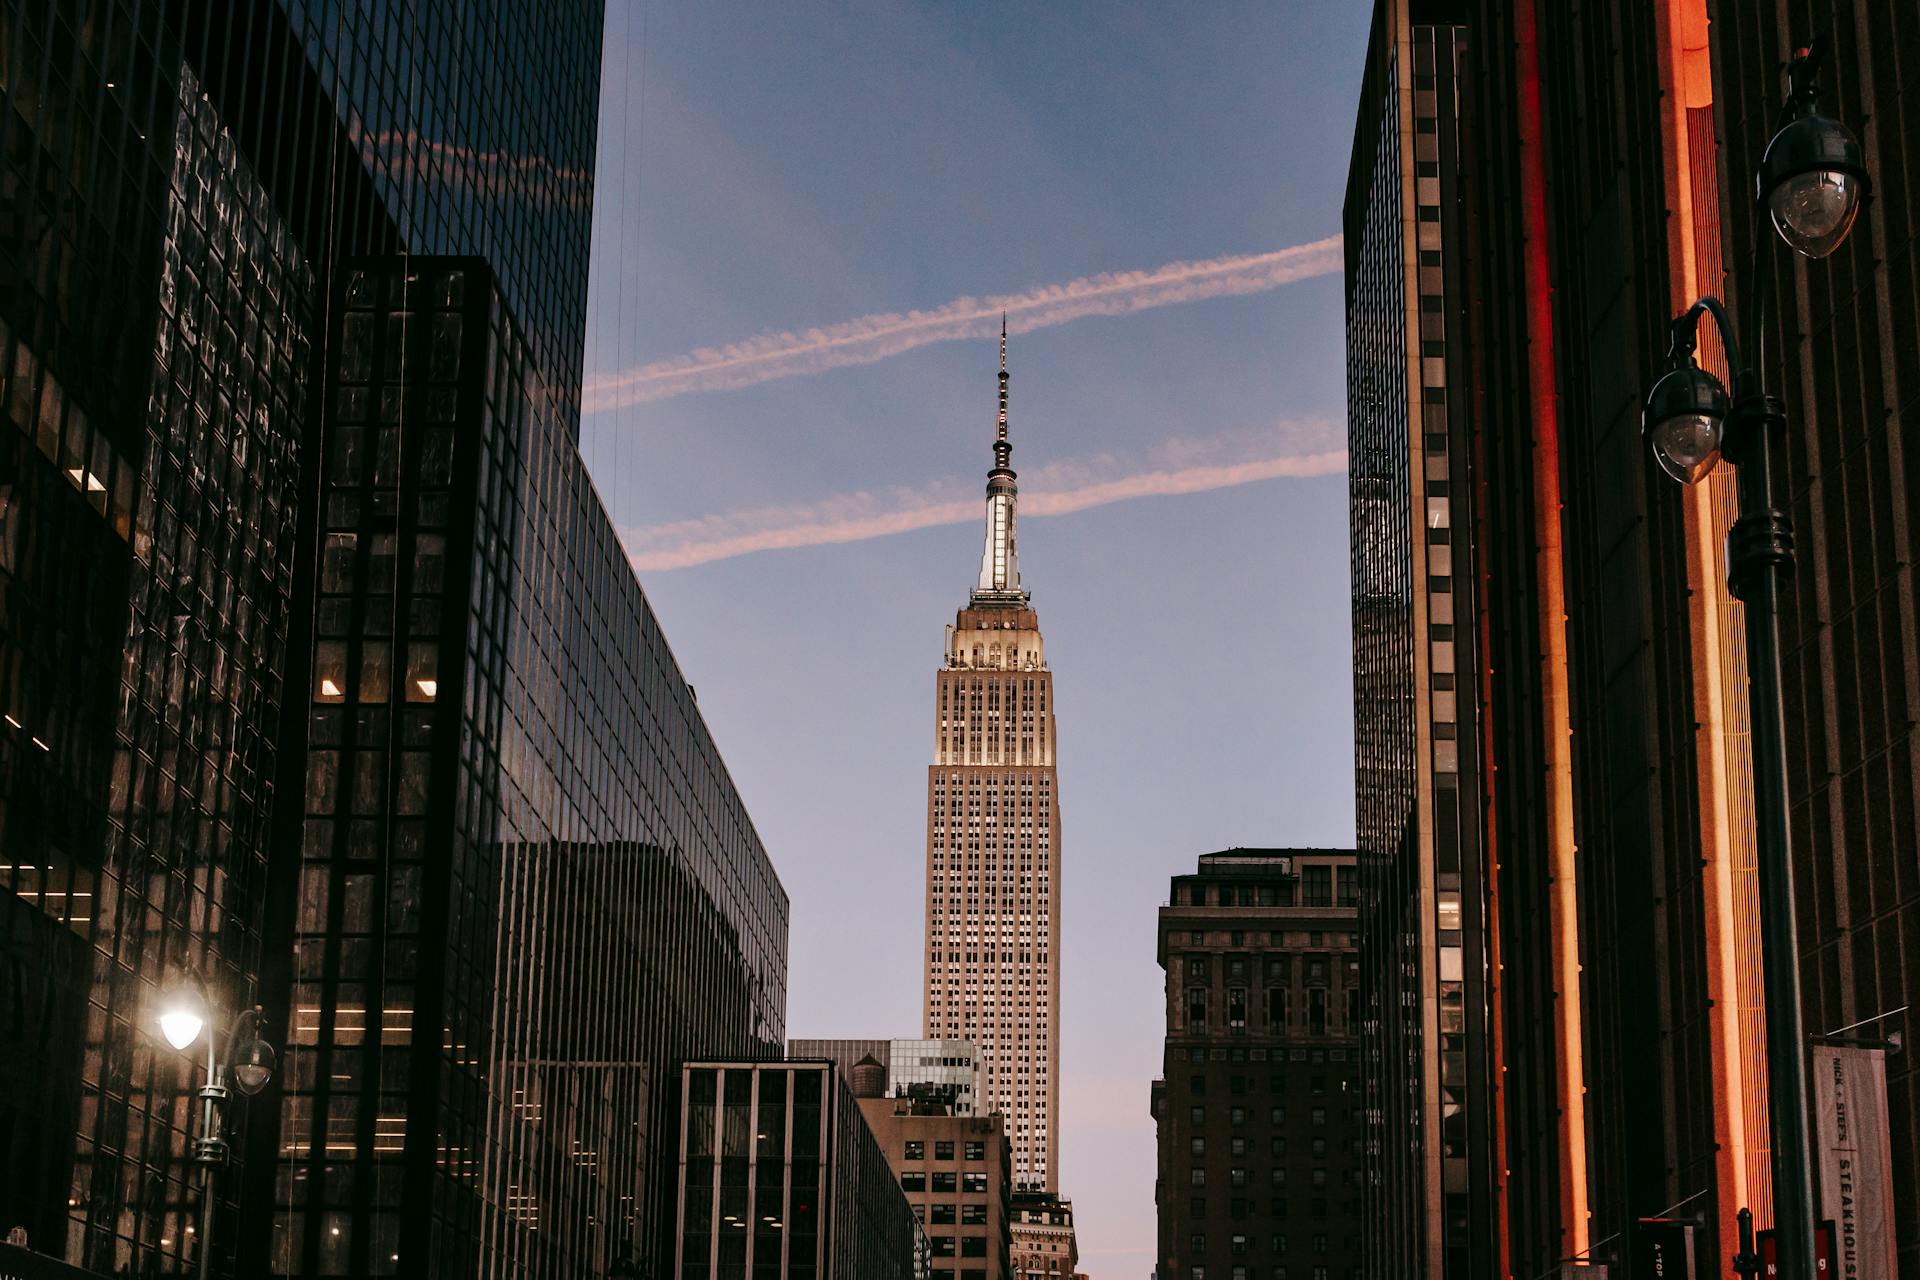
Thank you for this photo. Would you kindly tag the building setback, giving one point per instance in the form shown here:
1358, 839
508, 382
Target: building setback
1258, 1108
781, 1178
993, 843
953, 1166
488, 848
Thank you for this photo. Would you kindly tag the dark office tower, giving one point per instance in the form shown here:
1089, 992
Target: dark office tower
1258, 1110
527, 887
779, 1177
429, 126
1843, 344
177, 179
1602, 214
155, 320
1611, 149
1613, 670
1427, 1037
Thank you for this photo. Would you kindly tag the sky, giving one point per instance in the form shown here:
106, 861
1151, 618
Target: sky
808, 219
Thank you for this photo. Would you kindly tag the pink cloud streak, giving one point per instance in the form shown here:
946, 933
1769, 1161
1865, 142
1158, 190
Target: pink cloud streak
804, 352
1053, 491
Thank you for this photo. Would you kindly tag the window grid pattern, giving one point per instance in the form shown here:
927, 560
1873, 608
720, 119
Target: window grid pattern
149, 337
476, 128
518, 833
1258, 1112
1422, 886
993, 874
781, 1179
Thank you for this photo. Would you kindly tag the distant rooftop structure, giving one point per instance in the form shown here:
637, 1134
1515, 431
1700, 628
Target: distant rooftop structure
929, 1071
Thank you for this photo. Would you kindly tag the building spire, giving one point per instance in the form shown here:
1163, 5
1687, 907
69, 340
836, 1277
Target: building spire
999, 562
1002, 449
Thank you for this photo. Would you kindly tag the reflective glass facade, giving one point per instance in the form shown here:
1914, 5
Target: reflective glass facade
950, 1069
527, 887
1426, 1036
473, 131
215, 492
780, 1179
155, 325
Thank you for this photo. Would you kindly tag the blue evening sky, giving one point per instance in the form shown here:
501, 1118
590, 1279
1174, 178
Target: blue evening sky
775, 167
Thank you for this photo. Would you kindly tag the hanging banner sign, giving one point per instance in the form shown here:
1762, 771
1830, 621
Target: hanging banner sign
1663, 1249
1855, 1159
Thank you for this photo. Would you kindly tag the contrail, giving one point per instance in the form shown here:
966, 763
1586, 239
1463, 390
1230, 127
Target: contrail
801, 352
1052, 491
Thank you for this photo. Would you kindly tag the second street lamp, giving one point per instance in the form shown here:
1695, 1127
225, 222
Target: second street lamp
1810, 186
1813, 175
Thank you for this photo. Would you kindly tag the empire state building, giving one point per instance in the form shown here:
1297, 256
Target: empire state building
993, 842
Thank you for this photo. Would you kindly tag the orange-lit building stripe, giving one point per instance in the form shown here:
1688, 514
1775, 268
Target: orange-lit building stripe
1551, 595
1718, 661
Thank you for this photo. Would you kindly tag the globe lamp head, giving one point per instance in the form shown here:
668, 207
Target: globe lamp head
1683, 422
183, 1013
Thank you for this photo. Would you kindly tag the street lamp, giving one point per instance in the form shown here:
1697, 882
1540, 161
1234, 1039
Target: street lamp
244, 1057
1810, 185
1813, 173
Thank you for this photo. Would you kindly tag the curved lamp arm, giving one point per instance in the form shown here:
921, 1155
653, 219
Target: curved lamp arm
1685, 339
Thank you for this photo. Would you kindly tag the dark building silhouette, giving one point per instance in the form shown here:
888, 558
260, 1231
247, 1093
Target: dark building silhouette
1569, 327
1258, 1109
155, 314
326, 676
1609, 151
1844, 350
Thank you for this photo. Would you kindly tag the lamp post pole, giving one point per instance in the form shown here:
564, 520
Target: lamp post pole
1810, 183
210, 1148
1759, 560
231, 1063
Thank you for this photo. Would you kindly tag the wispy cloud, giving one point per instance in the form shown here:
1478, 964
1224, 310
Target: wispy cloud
801, 352
1178, 467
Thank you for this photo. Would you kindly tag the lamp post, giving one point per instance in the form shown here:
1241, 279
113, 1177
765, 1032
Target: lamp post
245, 1057
1811, 181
